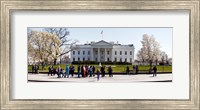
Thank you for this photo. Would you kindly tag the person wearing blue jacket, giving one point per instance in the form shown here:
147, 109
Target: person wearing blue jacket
67, 71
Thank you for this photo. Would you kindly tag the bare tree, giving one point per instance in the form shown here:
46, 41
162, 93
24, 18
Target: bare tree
169, 61
164, 58
66, 43
150, 50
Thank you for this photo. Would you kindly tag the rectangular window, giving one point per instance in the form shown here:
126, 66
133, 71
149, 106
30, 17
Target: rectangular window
108, 59
130, 52
88, 52
108, 52
78, 59
96, 52
88, 59
125, 60
130, 60
96, 59
83, 59
73, 59
78, 52
115, 52
73, 52
120, 52
125, 52
83, 52
120, 59
115, 59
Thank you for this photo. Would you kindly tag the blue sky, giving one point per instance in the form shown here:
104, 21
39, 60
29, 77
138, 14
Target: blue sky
123, 36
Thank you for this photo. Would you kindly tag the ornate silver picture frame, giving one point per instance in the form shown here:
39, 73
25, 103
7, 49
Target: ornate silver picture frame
7, 7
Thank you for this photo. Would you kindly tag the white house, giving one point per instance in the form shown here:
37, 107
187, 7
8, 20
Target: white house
103, 51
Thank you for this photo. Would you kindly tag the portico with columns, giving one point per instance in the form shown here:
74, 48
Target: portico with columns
101, 51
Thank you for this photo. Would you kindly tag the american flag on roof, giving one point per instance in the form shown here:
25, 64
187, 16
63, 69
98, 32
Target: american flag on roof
102, 32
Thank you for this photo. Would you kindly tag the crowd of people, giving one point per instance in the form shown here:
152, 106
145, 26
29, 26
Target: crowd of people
35, 69
82, 71
86, 71
135, 69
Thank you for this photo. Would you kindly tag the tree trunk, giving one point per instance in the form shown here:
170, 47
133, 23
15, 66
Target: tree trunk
60, 60
150, 64
156, 62
54, 62
163, 65
43, 65
150, 69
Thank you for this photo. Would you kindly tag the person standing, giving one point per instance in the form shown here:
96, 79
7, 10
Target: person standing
98, 74
62, 73
59, 71
37, 69
72, 71
84, 71
154, 71
67, 71
49, 71
93, 71
127, 70
110, 71
33, 69
136, 69
88, 70
79, 68
54, 71
103, 71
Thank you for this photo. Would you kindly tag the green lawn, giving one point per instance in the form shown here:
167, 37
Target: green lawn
116, 68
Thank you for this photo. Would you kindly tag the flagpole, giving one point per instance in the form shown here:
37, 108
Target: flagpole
102, 35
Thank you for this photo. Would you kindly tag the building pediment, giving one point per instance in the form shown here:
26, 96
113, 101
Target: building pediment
102, 43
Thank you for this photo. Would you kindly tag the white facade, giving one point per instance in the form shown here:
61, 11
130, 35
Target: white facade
103, 51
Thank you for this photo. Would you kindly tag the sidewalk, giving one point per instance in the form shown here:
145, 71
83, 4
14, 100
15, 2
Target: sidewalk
115, 79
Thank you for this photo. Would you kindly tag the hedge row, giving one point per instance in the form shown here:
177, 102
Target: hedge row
107, 62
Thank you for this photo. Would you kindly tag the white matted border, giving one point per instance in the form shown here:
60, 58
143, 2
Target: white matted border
179, 89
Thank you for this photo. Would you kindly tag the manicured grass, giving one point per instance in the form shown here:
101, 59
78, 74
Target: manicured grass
116, 68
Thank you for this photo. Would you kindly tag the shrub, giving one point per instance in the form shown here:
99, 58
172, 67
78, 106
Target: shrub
104, 63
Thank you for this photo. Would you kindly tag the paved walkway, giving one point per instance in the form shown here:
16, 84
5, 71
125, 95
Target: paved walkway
115, 79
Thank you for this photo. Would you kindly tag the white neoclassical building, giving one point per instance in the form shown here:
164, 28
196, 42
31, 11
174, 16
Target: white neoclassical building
103, 51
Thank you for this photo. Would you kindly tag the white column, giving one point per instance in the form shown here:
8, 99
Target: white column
105, 58
92, 56
113, 53
98, 55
